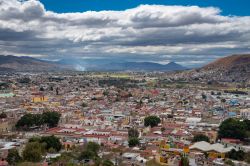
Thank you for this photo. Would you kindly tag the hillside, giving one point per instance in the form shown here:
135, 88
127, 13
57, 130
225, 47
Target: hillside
234, 68
14, 63
230, 62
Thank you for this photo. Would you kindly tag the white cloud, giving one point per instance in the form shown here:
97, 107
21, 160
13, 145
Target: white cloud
156, 32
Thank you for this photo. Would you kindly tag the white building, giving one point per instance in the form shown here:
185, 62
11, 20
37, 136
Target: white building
245, 113
192, 121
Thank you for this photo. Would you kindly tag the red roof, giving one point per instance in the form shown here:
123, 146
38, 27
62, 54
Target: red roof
230, 140
3, 163
167, 132
37, 94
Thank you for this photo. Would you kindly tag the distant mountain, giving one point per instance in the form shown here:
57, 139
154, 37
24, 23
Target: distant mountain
14, 63
114, 65
137, 66
235, 67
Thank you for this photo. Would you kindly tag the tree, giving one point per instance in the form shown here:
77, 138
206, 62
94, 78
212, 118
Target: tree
247, 157
3, 115
37, 119
57, 91
51, 118
236, 155
29, 120
51, 150
200, 137
247, 124
26, 164
33, 152
133, 133
107, 163
94, 147
163, 129
229, 162
90, 152
130, 94
206, 155
24, 80
51, 88
184, 161
90, 155
204, 97
13, 157
185, 102
87, 155
35, 139
223, 100
133, 142
84, 104
51, 142
152, 121
232, 128
140, 103
66, 159
105, 93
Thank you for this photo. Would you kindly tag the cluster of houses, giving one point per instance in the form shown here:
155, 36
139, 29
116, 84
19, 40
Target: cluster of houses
103, 114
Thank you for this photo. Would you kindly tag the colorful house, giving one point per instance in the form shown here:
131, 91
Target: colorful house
39, 97
213, 150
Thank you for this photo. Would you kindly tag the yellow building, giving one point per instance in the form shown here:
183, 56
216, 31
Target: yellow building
213, 150
37, 99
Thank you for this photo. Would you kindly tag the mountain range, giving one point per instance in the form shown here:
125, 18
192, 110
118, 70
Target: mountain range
140, 66
14, 63
234, 67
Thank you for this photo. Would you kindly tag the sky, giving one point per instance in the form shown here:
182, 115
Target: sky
189, 32
228, 7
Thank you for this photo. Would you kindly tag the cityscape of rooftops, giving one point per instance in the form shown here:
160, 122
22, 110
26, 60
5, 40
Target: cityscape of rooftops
124, 83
